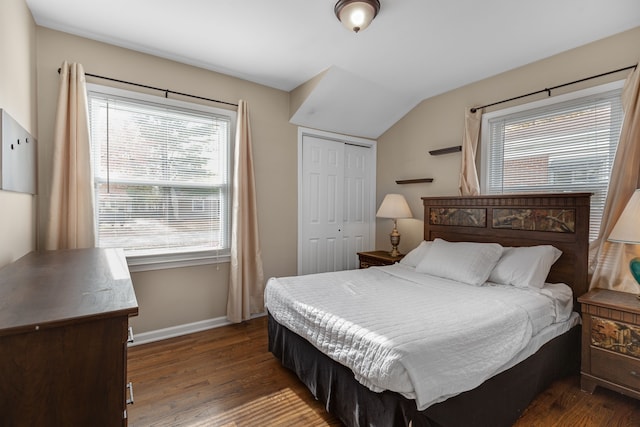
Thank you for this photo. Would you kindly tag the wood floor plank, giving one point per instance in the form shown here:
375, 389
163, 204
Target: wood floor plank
226, 377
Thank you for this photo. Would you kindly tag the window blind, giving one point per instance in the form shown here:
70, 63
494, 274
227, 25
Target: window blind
566, 146
161, 176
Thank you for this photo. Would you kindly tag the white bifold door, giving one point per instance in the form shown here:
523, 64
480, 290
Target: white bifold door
336, 202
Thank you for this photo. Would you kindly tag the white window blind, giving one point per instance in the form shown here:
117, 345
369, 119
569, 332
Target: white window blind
566, 146
161, 175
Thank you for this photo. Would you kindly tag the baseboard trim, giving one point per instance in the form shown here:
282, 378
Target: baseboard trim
178, 330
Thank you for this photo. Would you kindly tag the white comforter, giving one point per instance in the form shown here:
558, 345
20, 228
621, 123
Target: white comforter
424, 337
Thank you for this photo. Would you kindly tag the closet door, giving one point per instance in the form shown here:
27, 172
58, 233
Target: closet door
356, 214
322, 193
336, 203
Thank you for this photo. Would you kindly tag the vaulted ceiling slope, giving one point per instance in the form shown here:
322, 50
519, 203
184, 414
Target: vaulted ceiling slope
413, 50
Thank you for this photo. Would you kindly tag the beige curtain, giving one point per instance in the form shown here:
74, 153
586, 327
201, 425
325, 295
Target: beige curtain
71, 209
246, 284
609, 262
469, 184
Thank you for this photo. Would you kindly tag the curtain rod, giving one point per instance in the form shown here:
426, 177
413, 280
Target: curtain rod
548, 90
166, 91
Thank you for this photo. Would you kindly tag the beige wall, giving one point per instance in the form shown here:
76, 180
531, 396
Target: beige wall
18, 98
438, 122
173, 297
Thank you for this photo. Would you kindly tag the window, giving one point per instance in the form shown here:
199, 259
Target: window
562, 144
161, 171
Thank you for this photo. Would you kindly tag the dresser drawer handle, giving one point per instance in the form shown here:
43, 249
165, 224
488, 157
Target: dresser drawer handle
130, 388
130, 334
634, 373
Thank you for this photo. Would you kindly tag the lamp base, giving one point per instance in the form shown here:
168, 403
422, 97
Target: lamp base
395, 240
634, 266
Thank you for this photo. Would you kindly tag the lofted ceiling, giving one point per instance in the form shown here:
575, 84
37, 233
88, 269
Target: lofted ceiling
413, 50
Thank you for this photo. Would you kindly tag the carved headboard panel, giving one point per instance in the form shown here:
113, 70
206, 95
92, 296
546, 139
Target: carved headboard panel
561, 220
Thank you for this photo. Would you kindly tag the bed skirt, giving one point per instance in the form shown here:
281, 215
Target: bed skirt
497, 402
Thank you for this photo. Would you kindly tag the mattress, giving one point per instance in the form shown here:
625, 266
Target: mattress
424, 337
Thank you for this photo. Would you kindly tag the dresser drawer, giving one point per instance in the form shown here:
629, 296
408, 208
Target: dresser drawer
616, 368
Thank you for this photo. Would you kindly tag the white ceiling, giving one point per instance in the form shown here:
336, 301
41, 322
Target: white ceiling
413, 50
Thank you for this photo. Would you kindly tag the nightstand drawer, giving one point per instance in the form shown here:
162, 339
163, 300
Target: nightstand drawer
615, 336
616, 368
366, 262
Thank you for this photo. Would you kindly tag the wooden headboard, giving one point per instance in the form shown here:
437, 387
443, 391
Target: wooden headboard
561, 220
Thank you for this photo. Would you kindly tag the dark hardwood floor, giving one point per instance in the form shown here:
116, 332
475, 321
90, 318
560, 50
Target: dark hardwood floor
226, 377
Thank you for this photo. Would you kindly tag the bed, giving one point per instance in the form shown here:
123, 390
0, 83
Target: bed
407, 387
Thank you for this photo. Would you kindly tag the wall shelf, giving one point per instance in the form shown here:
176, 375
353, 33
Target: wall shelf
447, 150
413, 181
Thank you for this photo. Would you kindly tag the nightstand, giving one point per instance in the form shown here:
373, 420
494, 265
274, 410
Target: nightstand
611, 342
373, 258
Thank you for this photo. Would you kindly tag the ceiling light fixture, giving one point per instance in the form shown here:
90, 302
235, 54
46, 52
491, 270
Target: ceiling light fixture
356, 15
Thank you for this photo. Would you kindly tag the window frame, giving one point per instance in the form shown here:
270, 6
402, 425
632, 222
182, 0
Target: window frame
173, 258
485, 133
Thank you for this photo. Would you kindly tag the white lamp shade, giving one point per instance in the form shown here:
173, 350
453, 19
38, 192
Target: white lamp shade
394, 206
357, 15
627, 229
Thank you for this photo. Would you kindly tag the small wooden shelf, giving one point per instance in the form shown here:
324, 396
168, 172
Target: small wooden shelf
413, 181
447, 150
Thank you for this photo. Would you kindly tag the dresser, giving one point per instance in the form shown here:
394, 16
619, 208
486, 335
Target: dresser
611, 342
373, 258
64, 327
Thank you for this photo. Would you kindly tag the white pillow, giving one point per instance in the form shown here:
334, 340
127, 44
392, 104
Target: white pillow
465, 262
526, 266
416, 255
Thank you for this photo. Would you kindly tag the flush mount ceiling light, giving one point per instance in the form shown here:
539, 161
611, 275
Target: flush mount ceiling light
356, 15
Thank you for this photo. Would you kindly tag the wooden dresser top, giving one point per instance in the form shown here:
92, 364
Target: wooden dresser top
53, 288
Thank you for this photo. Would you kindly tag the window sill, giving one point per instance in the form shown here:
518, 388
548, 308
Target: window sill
139, 263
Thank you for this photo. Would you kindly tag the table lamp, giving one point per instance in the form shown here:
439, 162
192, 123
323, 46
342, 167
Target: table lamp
394, 206
627, 230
